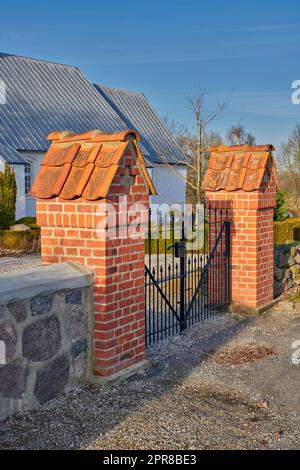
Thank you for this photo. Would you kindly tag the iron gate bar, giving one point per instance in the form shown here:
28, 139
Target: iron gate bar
205, 270
182, 324
161, 292
184, 292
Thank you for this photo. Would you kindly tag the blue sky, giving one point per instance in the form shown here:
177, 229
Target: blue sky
248, 50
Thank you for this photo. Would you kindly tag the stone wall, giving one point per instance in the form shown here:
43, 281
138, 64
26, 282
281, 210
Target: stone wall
286, 268
44, 325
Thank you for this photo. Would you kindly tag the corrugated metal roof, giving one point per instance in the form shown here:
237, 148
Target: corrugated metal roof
42, 97
136, 111
11, 155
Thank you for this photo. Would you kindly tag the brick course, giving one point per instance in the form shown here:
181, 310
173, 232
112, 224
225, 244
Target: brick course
70, 232
252, 244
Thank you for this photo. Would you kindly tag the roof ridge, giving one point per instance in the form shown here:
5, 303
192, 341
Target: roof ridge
165, 145
242, 148
132, 92
5, 54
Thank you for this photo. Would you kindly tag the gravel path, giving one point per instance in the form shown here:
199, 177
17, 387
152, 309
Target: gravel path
185, 400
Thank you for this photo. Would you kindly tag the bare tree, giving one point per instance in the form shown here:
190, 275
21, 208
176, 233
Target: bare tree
289, 167
195, 144
236, 135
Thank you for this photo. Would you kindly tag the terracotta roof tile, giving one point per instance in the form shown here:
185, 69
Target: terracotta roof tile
84, 165
235, 179
219, 162
258, 160
58, 155
240, 161
99, 183
238, 167
50, 181
76, 181
111, 155
252, 178
87, 154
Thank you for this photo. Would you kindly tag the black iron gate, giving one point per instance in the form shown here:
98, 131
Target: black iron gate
187, 270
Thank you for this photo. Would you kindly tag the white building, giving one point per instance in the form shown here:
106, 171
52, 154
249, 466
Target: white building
42, 97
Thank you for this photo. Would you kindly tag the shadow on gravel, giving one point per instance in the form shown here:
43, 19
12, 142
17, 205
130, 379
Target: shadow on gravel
78, 418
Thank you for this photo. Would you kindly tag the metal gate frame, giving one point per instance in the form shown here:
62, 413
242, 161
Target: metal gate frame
185, 287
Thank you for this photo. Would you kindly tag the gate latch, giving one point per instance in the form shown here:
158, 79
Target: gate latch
179, 249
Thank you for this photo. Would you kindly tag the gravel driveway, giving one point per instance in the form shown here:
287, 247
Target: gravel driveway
188, 399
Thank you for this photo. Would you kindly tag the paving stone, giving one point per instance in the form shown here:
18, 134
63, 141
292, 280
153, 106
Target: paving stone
74, 297
52, 379
293, 251
41, 304
297, 279
78, 347
42, 339
12, 380
282, 259
2, 310
18, 310
295, 269
278, 273
75, 323
291, 261
78, 367
9, 336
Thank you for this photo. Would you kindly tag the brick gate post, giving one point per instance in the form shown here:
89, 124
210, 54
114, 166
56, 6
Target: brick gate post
243, 179
81, 209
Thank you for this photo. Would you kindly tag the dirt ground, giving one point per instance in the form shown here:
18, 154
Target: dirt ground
228, 383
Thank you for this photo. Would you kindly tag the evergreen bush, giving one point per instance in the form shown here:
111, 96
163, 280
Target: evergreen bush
8, 197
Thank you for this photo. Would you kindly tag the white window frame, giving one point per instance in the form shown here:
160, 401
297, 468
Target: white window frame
28, 176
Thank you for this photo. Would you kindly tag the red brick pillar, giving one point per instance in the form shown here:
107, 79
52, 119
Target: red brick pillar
243, 179
82, 180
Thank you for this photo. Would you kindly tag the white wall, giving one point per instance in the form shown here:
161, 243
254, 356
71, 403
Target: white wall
35, 158
171, 188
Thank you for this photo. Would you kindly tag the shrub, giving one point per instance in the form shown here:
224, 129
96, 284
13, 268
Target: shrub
29, 221
280, 209
287, 231
27, 241
8, 197
161, 245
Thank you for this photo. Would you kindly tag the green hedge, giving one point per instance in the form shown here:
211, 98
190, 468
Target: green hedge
287, 231
29, 221
8, 197
27, 241
161, 244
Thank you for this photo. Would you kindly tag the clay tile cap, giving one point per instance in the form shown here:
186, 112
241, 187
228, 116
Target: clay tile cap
96, 135
238, 167
69, 136
84, 165
245, 148
118, 136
